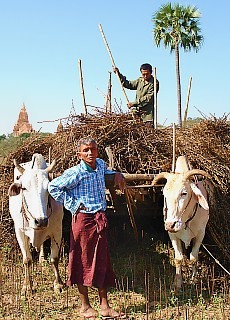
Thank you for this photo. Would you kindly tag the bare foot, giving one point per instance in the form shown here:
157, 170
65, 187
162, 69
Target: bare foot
110, 313
89, 313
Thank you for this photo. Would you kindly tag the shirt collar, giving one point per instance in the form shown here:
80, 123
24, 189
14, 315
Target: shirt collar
86, 167
151, 80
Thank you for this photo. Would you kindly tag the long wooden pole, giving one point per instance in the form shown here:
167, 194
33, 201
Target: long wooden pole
187, 102
108, 105
82, 86
112, 60
174, 148
128, 199
155, 110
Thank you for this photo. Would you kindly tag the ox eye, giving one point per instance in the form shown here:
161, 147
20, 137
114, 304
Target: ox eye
23, 188
183, 193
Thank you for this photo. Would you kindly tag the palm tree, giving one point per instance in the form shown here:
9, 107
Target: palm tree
178, 26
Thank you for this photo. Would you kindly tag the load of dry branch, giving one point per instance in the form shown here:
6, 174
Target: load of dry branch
138, 148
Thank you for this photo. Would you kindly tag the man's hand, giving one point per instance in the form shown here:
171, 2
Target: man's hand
115, 70
130, 105
119, 181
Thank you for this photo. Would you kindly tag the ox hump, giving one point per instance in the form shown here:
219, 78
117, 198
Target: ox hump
38, 161
182, 165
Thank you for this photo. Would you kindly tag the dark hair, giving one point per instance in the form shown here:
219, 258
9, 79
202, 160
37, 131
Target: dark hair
146, 66
85, 140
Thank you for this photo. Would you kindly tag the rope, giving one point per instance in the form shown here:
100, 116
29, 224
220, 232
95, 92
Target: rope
217, 261
211, 255
26, 208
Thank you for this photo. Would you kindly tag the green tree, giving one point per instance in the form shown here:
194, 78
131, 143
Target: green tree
2, 137
177, 27
192, 121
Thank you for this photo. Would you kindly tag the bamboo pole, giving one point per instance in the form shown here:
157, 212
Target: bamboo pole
128, 199
2, 207
174, 148
129, 177
138, 176
109, 96
82, 86
187, 102
155, 107
112, 60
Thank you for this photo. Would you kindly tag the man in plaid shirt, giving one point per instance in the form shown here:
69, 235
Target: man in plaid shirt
81, 189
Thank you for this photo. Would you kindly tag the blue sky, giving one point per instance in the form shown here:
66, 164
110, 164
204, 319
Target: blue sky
42, 41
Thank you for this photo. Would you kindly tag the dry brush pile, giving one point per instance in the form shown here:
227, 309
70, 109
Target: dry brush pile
138, 148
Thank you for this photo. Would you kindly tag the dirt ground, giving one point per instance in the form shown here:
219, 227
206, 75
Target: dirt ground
144, 278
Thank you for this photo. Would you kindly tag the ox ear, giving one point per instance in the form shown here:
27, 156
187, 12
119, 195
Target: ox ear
14, 189
200, 197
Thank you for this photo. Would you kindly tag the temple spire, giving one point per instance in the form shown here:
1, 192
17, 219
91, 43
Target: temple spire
22, 125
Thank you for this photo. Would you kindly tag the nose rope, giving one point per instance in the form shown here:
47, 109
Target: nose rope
189, 219
192, 216
185, 206
27, 211
165, 209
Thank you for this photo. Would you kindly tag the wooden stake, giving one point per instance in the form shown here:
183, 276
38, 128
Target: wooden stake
49, 155
128, 199
112, 60
155, 110
108, 104
187, 102
82, 86
174, 148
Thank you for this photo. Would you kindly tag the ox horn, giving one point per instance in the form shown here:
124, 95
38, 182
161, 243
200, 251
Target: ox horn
20, 168
159, 176
50, 167
198, 172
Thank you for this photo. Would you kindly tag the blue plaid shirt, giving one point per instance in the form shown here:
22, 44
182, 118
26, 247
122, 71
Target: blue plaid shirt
81, 187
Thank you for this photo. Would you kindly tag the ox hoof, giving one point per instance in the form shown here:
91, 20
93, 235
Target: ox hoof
58, 287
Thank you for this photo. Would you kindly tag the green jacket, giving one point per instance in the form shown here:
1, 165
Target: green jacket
144, 101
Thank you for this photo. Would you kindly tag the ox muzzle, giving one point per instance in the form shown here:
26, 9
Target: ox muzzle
41, 223
173, 226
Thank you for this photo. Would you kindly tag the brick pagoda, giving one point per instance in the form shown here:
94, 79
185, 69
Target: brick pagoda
22, 125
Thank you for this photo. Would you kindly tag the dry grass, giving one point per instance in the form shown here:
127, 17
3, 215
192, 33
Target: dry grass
138, 148
145, 275
144, 285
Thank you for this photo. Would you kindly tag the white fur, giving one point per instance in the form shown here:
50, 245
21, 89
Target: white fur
35, 182
181, 197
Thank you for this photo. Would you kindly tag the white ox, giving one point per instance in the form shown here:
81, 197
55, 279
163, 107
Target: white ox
186, 212
36, 215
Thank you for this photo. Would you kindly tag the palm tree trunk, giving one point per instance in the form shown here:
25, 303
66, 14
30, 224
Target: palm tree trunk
178, 86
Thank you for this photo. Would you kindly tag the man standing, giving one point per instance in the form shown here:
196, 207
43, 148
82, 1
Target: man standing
81, 189
144, 86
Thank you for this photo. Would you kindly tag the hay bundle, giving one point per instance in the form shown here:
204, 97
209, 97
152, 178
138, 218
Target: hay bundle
138, 148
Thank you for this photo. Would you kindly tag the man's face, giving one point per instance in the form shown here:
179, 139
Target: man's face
146, 74
89, 153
